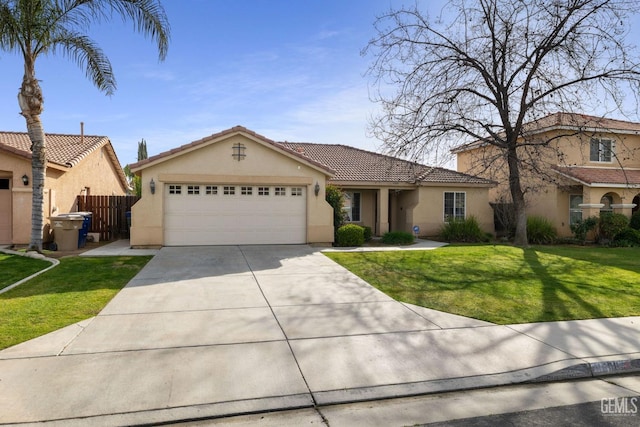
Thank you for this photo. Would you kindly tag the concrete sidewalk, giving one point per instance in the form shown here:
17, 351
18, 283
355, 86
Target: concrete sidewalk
216, 331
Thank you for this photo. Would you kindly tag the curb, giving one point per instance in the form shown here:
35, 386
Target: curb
592, 370
35, 255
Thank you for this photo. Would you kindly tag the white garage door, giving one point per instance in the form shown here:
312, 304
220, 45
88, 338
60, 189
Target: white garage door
234, 214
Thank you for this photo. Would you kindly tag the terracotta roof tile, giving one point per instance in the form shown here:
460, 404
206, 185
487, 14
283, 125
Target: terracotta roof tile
354, 164
236, 129
614, 176
62, 149
65, 150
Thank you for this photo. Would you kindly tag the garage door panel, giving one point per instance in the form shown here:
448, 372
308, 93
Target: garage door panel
222, 219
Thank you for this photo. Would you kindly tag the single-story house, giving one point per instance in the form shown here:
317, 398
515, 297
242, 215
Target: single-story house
76, 165
239, 187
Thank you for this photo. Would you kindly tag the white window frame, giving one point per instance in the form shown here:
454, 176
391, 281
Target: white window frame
456, 195
246, 191
193, 190
263, 191
296, 191
280, 191
175, 189
229, 190
573, 212
211, 190
603, 151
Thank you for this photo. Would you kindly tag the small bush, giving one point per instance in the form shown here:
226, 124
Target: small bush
627, 237
635, 221
540, 230
397, 238
368, 234
581, 228
611, 224
463, 230
350, 235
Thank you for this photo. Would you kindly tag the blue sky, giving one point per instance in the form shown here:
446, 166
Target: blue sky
287, 69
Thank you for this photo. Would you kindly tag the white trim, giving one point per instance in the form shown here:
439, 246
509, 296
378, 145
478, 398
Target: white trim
623, 205
591, 205
444, 214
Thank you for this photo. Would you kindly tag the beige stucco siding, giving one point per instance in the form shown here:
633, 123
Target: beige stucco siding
213, 163
428, 213
14, 167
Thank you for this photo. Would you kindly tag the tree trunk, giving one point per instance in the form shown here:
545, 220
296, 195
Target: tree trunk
30, 100
517, 196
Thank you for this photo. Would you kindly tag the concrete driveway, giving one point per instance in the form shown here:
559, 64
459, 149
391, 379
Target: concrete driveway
211, 331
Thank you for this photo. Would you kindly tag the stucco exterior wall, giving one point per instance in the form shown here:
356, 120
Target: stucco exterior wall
213, 163
95, 174
428, 213
62, 185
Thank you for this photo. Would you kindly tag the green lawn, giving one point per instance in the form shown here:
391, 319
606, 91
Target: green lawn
15, 268
504, 284
75, 290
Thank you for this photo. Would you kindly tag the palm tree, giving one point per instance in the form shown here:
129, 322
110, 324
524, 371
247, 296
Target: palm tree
46, 27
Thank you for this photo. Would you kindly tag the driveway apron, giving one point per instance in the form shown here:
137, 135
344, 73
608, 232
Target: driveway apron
211, 331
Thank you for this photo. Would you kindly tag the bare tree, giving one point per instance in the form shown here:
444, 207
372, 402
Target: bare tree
481, 70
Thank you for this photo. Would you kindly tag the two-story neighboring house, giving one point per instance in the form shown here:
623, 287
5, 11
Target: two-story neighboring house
576, 166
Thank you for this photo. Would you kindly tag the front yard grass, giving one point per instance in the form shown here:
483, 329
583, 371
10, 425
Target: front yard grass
75, 290
15, 268
505, 284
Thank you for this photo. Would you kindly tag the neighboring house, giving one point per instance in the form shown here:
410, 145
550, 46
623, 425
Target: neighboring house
238, 187
76, 165
591, 165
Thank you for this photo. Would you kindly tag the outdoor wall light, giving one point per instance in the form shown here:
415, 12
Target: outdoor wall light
152, 186
25, 179
316, 189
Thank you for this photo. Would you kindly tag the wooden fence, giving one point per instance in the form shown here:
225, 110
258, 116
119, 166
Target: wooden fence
109, 214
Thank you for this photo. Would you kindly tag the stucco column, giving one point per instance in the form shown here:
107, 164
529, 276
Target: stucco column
382, 225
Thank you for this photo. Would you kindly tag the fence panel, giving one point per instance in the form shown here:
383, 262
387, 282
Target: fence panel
108, 214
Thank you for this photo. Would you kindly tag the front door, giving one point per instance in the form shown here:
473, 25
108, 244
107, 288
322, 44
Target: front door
5, 211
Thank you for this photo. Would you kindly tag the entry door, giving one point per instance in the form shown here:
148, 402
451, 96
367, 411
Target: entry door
5, 211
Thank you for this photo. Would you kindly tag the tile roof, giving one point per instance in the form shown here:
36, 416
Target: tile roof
590, 176
354, 164
62, 149
65, 150
236, 129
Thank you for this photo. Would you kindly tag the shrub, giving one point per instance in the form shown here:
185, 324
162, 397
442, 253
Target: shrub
611, 224
540, 230
397, 238
635, 221
627, 237
368, 234
350, 235
581, 228
463, 230
335, 197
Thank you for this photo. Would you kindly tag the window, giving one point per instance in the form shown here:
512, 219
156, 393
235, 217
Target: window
600, 150
280, 191
263, 191
211, 189
351, 206
454, 205
193, 189
296, 191
575, 211
246, 191
228, 191
175, 189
